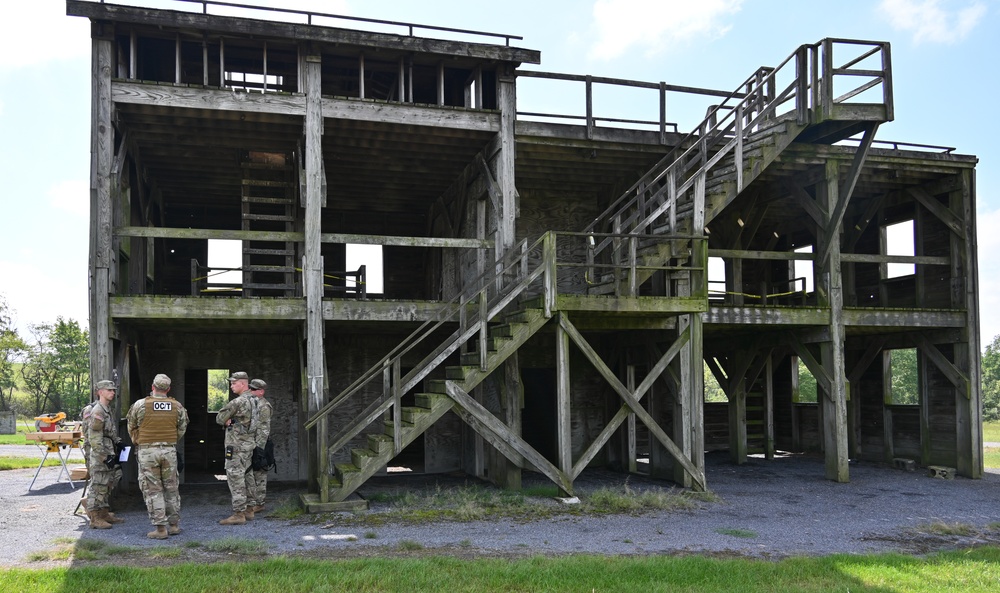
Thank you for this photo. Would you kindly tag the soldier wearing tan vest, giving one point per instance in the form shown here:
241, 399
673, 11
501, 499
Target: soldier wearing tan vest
156, 424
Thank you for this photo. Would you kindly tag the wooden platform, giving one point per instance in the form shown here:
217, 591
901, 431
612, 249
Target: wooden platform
311, 504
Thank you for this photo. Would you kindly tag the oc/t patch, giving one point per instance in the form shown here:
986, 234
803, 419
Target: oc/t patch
162, 406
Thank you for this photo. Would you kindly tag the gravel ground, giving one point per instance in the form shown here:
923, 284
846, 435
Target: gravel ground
766, 509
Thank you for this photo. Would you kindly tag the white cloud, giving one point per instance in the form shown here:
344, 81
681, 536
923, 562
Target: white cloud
71, 196
36, 32
933, 21
657, 25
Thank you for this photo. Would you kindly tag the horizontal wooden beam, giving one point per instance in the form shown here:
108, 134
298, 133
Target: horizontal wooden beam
767, 316
904, 318
293, 237
637, 305
184, 309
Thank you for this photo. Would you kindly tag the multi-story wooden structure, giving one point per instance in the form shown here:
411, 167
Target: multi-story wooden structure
547, 299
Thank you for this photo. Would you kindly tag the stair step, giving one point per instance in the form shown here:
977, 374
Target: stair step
267, 183
412, 414
505, 330
269, 217
431, 400
345, 468
436, 386
379, 443
390, 429
265, 166
269, 252
266, 200
459, 373
472, 359
362, 457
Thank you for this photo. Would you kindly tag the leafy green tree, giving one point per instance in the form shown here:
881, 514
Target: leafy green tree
904, 376
56, 369
808, 392
218, 389
11, 349
713, 391
991, 381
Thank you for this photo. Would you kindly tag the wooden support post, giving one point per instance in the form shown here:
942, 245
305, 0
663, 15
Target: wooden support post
564, 434
965, 295
102, 148
830, 294
312, 266
505, 164
512, 400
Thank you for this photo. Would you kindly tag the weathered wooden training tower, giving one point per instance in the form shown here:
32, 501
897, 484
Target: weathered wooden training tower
547, 300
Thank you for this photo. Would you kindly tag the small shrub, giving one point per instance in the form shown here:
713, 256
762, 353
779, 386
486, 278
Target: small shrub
236, 545
745, 533
410, 545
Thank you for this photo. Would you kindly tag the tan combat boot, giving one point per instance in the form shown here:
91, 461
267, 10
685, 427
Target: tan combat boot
258, 508
248, 514
159, 533
173, 529
110, 517
97, 520
237, 518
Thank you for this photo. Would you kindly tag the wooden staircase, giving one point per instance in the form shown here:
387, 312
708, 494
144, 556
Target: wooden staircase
736, 142
504, 340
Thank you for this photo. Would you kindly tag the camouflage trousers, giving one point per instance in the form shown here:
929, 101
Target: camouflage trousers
158, 481
102, 481
236, 475
256, 485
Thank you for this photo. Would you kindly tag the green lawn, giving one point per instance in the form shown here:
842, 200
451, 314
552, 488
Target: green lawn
974, 570
991, 432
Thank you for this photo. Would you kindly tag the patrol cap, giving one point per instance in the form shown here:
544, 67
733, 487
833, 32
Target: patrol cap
161, 381
239, 376
258, 384
106, 385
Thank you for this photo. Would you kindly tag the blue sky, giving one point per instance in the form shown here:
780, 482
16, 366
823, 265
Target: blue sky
944, 52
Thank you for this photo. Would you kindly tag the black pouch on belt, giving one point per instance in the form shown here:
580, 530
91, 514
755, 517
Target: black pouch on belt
229, 452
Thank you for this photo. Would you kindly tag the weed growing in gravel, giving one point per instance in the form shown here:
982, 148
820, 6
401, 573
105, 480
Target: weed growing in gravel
745, 533
943, 528
192, 544
410, 545
238, 545
166, 553
370, 535
627, 500
288, 509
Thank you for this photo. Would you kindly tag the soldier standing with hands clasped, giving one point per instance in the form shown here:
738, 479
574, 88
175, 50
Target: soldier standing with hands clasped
156, 424
101, 431
238, 416
257, 476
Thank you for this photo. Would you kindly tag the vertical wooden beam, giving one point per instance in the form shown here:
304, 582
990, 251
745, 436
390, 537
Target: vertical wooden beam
440, 84
830, 294
965, 295
312, 266
102, 146
564, 435
630, 420
512, 399
769, 446
505, 161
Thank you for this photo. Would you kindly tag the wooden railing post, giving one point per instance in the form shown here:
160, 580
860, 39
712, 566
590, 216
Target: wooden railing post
397, 409
802, 85
551, 284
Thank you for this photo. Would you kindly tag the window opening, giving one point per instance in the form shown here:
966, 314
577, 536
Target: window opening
802, 270
716, 280
369, 256
225, 258
900, 382
218, 389
804, 390
713, 391
899, 241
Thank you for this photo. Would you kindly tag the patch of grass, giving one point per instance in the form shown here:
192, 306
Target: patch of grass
943, 528
745, 533
409, 545
237, 545
20, 462
627, 500
370, 535
166, 552
13, 439
541, 491
192, 544
465, 543
991, 457
960, 571
288, 509
991, 432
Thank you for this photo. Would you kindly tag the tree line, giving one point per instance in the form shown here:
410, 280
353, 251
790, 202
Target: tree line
45, 372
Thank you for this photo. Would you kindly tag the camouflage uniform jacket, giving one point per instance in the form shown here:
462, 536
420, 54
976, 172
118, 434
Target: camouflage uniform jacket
138, 411
242, 411
101, 431
263, 422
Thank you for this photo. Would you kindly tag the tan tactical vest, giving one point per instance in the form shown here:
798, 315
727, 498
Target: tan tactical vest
159, 423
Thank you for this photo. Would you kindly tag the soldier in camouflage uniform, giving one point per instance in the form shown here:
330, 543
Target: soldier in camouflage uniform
100, 429
257, 478
156, 424
238, 417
